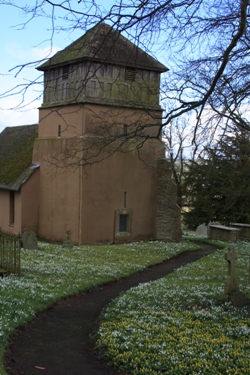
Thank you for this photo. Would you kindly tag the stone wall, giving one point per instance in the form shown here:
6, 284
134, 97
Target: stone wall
168, 213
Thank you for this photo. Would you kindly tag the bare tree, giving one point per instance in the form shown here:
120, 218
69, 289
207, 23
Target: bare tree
204, 43
182, 148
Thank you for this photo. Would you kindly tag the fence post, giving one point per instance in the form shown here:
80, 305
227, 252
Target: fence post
10, 253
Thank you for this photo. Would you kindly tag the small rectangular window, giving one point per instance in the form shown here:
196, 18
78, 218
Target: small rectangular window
123, 223
12, 207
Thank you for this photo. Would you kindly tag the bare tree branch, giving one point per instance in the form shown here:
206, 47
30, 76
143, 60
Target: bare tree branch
205, 43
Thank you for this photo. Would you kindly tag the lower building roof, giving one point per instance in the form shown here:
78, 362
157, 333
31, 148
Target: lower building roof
16, 148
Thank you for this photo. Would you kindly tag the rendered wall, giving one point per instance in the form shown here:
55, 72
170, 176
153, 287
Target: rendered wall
103, 194
108, 120
15, 227
30, 202
58, 194
85, 201
69, 117
77, 120
25, 207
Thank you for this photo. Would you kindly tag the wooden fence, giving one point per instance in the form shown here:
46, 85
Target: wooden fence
10, 253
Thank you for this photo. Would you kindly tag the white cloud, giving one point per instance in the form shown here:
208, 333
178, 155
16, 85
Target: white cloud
15, 118
10, 116
21, 54
16, 54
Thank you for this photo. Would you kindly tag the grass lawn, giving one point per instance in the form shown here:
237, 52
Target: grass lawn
53, 272
177, 325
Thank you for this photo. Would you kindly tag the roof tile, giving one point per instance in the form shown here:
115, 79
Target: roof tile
16, 147
104, 44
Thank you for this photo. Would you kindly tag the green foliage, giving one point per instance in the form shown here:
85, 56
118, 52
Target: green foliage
218, 187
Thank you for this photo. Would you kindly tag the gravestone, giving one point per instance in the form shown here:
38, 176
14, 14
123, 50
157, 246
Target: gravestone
29, 240
223, 233
231, 283
232, 292
208, 226
68, 242
244, 230
201, 230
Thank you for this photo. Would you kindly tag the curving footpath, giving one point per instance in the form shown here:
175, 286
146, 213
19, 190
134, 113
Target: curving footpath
57, 341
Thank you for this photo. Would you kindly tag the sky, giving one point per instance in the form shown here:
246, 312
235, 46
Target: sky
24, 44
18, 47
21, 45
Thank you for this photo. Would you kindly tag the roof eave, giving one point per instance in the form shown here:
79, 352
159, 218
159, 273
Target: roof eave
14, 186
160, 69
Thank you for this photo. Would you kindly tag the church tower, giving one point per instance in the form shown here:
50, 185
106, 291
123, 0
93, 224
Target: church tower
100, 70
99, 141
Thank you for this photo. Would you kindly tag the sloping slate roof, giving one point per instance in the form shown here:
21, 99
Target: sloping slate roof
16, 147
104, 44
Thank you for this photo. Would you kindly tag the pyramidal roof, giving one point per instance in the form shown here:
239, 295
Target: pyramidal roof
105, 45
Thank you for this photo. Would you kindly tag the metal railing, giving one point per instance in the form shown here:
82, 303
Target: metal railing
10, 253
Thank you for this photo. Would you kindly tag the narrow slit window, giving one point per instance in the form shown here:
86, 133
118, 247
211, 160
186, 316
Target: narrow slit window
125, 199
59, 130
125, 129
12, 207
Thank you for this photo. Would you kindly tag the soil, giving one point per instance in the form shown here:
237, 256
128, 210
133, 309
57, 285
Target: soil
58, 341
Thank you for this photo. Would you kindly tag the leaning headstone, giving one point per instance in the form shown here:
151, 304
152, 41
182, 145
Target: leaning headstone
231, 292
68, 242
201, 230
29, 240
231, 283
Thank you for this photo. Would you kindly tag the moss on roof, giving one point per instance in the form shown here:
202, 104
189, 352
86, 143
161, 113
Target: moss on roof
16, 147
104, 44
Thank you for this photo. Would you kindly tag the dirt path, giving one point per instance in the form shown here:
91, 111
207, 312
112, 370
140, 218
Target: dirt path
58, 342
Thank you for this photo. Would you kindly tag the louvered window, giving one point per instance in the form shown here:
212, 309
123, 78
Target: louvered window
130, 74
65, 74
